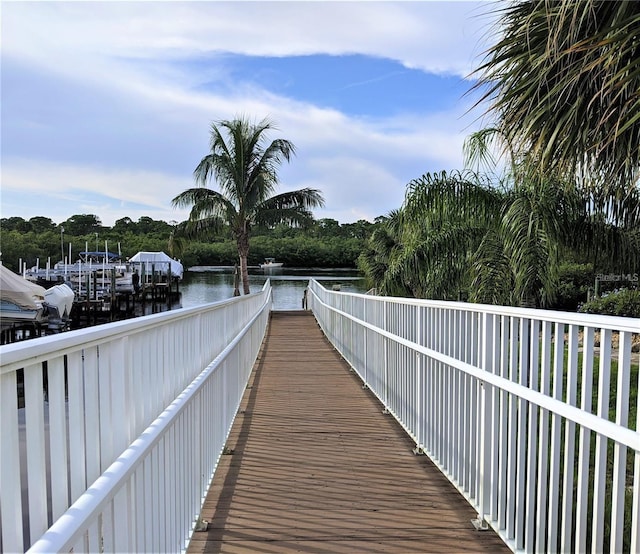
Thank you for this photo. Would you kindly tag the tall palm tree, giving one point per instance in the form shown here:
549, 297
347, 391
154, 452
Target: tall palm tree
245, 168
563, 81
461, 237
594, 220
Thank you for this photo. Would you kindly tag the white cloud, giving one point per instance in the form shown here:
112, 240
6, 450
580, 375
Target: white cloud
119, 51
434, 36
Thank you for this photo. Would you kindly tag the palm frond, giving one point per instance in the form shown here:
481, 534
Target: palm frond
562, 81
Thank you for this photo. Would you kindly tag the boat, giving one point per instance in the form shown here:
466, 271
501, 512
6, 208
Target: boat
270, 263
30, 308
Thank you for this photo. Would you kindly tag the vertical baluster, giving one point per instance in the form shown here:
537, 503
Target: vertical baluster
496, 445
474, 391
523, 374
455, 403
569, 443
58, 437
105, 414
584, 442
77, 418
485, 423
635, 514
532, 437
600, 462
543, 466
120, 415
445, 396
92, 411
503, 416
429, 382
10, 492
122, 518
619, 450
35, 448
556, 432
512, 442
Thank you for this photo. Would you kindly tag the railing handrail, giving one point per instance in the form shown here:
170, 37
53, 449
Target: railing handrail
615, 323
610, 429
67, 530
99, 391
14, 356
527, 412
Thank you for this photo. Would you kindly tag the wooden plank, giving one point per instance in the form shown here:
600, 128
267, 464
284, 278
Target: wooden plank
317, 467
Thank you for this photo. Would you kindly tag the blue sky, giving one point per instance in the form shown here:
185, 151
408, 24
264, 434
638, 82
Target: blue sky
106, 106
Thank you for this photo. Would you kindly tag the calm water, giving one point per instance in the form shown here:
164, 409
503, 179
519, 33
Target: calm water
204, 284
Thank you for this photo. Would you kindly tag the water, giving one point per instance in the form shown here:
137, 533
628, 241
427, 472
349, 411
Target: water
204, 284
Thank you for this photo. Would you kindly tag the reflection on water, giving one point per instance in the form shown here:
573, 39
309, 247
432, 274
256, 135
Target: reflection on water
204, 284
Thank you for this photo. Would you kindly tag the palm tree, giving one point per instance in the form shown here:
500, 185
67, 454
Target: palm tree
378, 260
593, 220
563, 82
461, 237
245, 169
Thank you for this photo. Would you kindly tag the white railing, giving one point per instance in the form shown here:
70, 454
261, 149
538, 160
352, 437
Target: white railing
115, 431
531, 414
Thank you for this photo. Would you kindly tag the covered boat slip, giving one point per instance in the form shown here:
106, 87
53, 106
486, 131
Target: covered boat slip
150, 262
313, 464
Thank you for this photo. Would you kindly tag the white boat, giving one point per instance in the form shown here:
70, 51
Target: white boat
270, 263
25, 303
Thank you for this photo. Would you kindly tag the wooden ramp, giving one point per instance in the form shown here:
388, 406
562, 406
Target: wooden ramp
313, 465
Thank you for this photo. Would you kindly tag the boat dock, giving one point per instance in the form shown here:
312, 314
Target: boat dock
312, 464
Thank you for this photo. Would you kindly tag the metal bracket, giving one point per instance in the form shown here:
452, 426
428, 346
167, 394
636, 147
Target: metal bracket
201, 525
480, 524
418, 451
386, 411
365, 387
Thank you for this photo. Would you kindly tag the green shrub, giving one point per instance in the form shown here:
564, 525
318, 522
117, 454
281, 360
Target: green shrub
624, 302
574, 281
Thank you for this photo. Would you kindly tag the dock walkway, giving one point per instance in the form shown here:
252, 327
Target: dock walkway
313, 465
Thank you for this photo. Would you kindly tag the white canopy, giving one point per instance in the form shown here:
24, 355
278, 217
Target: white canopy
161, 260
19, 291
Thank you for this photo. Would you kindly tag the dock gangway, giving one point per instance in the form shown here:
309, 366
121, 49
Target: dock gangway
116, 431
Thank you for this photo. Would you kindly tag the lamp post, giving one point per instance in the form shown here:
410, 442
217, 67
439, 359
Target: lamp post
61, 244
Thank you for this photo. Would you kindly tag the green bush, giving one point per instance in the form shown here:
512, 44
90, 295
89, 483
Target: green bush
624, 302
574, 282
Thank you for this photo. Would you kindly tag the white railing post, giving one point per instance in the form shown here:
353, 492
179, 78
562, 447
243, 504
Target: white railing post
418, 389
36, 460
485, 426
532, 435
543, 469
600, 462
523, 472
635, 513
582, 500
618, 485
10, 492
569, 443
105, 386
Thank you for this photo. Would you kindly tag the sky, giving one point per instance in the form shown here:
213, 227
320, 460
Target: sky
106, 107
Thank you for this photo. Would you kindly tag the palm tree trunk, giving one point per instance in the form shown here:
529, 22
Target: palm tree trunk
243, 252
236, 281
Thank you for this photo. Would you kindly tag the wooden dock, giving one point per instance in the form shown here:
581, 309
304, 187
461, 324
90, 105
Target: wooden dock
313, 465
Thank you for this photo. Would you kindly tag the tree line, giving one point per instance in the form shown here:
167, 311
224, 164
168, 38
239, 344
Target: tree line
321, 243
